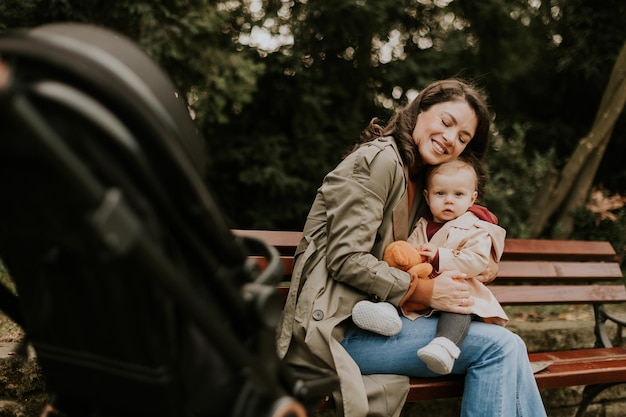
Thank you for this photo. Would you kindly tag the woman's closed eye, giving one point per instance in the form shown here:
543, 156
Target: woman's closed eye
462, 139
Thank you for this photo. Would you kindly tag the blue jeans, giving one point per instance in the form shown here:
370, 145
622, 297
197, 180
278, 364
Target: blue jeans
498, 378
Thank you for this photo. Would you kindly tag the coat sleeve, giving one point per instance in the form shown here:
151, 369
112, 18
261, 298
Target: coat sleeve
471, 258
473, 248
356, 194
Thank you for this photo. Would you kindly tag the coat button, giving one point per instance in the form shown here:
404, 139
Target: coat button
318, 315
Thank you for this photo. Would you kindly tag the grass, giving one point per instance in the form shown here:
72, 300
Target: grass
559, 312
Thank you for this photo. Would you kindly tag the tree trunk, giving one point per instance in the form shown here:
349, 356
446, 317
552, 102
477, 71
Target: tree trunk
564, 222
568, 190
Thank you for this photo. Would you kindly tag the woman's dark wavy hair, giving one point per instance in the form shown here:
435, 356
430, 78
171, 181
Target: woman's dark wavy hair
402, 124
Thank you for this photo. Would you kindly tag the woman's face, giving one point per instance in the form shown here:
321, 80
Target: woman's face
443, 131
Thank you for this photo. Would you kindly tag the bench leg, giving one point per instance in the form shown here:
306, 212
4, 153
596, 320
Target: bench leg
589, 394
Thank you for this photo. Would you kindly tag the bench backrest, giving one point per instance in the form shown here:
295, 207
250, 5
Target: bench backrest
553, 271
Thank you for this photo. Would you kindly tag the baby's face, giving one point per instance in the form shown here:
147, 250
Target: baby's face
450, 195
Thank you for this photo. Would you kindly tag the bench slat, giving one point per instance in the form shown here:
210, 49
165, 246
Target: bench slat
284, 241
514, 249
568, 368
550, 294
558, 294
520, 249
525, 270
544, 270
582, 367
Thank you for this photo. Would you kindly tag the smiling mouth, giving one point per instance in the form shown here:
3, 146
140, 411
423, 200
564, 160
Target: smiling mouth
438, 147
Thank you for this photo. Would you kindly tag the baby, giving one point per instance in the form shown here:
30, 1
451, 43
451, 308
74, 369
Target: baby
457, 235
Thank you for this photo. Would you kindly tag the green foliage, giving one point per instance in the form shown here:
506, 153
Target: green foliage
565, 70
590, 226
16, 13
186, 37
513, 181
277, 118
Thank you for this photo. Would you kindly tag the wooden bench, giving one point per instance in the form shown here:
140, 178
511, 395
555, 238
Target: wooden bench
532, 272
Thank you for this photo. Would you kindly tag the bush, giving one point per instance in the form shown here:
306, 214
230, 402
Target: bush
604, 218
513, 180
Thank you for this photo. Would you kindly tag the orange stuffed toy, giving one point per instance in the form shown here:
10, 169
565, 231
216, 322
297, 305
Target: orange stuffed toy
382, 317
404, 256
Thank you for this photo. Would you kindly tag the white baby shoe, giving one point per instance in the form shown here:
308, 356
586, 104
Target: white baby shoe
439, 355
381, 318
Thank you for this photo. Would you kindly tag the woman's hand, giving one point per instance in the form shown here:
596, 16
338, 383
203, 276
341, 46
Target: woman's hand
448, 292
452, 293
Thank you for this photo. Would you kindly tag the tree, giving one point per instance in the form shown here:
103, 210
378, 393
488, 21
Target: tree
276, 117
349, 61
185, 37
568, 190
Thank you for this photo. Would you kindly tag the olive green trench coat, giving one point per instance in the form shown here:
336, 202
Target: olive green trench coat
361, 207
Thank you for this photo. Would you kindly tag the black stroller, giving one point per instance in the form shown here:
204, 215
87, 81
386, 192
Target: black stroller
135, 295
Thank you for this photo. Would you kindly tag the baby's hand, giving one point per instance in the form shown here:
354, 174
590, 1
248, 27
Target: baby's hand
489, 274
428, 251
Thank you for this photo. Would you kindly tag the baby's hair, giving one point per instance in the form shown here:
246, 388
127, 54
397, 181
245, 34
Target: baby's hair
462, 162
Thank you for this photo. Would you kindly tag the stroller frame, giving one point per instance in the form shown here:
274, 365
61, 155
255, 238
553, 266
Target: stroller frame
128, 220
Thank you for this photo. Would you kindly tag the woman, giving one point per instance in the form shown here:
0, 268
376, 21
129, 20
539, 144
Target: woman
368, 201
